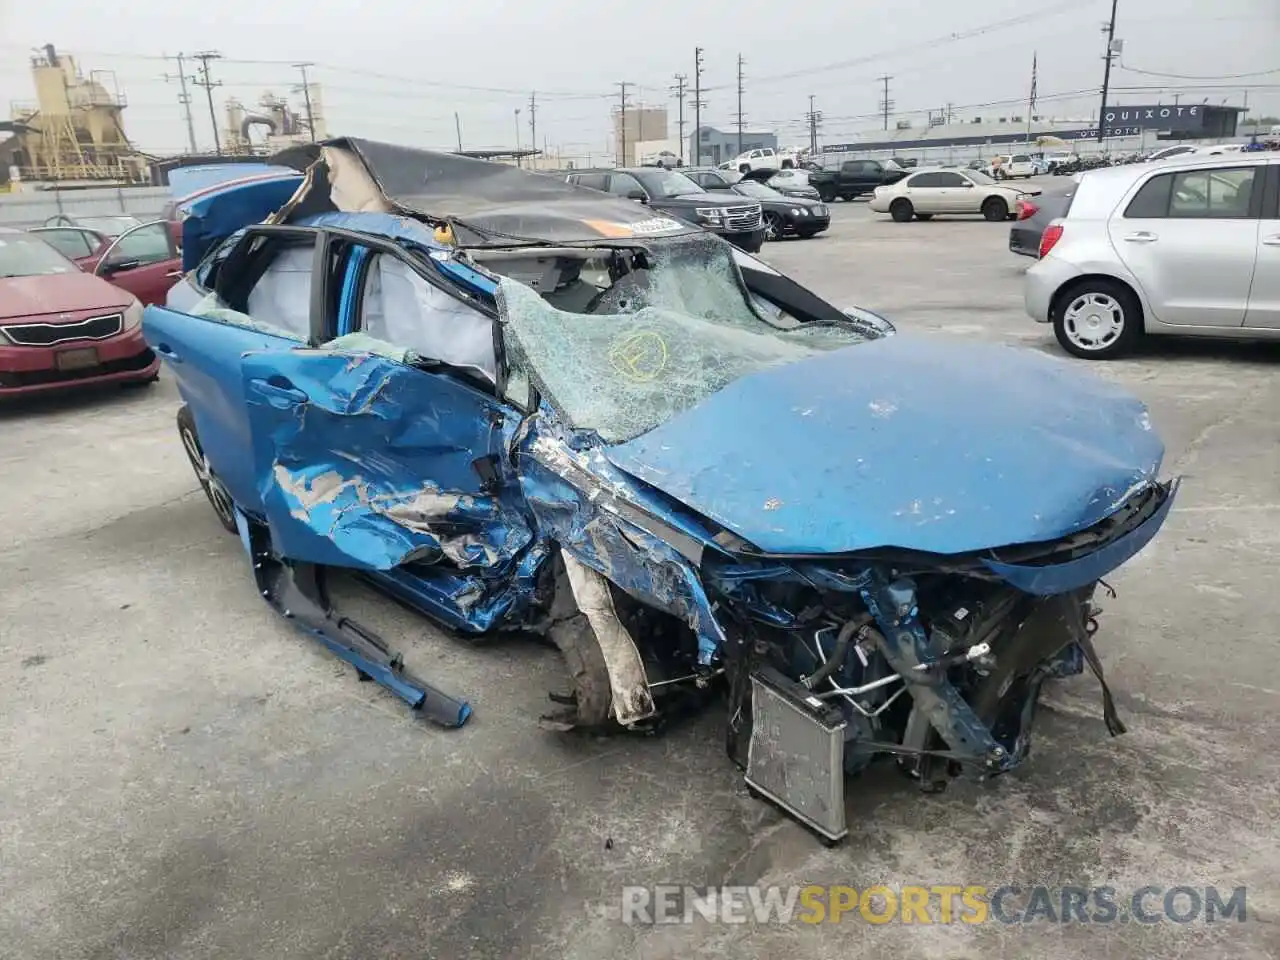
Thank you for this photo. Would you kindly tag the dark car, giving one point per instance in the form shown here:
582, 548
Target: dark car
785, 216
60, 326
733, 217
853, 179
1034, 214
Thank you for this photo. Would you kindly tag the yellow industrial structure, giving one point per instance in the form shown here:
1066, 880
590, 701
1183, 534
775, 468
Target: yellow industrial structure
74, 130
284, 125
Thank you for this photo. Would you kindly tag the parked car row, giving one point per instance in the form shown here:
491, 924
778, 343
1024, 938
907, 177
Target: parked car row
742, 209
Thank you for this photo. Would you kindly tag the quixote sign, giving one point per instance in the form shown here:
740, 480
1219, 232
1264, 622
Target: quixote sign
1155, 117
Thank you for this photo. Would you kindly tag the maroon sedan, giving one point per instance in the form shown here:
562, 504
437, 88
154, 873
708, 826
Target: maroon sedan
60, 326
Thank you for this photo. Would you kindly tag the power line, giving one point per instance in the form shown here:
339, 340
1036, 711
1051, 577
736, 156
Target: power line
741, 117
533, 119
1110, 29
698, 104
184, 98
205, 81
814, 118
622, 124
885, 103
306, 96
678, 89
1183, 76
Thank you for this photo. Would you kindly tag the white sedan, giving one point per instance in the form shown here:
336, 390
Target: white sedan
929, 192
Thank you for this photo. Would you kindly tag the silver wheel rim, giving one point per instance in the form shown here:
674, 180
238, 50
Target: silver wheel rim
219, 499
1093, 321
771, 228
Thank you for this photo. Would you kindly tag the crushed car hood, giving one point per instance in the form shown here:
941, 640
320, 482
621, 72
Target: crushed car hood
914, 443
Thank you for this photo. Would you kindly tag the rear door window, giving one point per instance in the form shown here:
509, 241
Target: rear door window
267, 288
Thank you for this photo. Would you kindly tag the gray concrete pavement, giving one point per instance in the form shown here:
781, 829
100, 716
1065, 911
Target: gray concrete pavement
184, 776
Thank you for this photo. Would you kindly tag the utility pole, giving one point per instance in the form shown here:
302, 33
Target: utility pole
517, 136
949, 113
184, 98
457, 125
886, 104
678, 90
697, 106
533, 121
204, 81
740, 116
306, 96
1106, 72
815, 119
622, 124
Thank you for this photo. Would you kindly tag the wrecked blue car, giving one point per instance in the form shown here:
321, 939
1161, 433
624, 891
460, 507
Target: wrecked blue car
514, 404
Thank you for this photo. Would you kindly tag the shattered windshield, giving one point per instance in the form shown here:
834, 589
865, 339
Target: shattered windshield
655, 342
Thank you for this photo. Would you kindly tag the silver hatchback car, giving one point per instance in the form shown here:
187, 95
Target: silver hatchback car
1188, 247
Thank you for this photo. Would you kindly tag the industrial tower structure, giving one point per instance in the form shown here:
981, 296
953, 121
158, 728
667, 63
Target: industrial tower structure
74, 130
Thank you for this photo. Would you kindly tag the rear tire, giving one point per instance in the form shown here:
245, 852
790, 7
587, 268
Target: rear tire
827, 196
995, 209
1097, 319
214, 491
901, 210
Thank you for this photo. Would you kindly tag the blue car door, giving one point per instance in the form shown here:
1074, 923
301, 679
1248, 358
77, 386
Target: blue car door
252, 296
386, 445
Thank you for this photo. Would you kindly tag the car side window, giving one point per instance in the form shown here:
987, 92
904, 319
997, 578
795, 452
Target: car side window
149, 244
596, 181
271, 289
622, 184
925, 180
948, 180
1217, 194
401, 308
71, 243
1152, 201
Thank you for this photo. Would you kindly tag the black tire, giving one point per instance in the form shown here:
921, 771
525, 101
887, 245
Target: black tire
847, 197
827, 195
788, 164
772, 227
901, 210
1125, 308
214, 491
995, 209
924, 216
744, 168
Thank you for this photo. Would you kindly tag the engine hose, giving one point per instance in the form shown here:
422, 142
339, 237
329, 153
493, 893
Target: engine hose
841, 651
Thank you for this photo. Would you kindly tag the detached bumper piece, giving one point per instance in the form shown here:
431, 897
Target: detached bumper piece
296, 591
795, 757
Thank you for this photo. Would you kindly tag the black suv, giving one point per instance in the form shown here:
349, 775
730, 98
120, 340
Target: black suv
735, 218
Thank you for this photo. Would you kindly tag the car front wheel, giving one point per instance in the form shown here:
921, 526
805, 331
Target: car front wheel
1097, 319
995, 209
772, 226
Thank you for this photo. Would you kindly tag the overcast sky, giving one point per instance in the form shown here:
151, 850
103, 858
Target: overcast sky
401, 72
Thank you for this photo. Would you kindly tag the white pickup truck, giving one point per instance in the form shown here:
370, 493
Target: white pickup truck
763, 159
1011, 166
